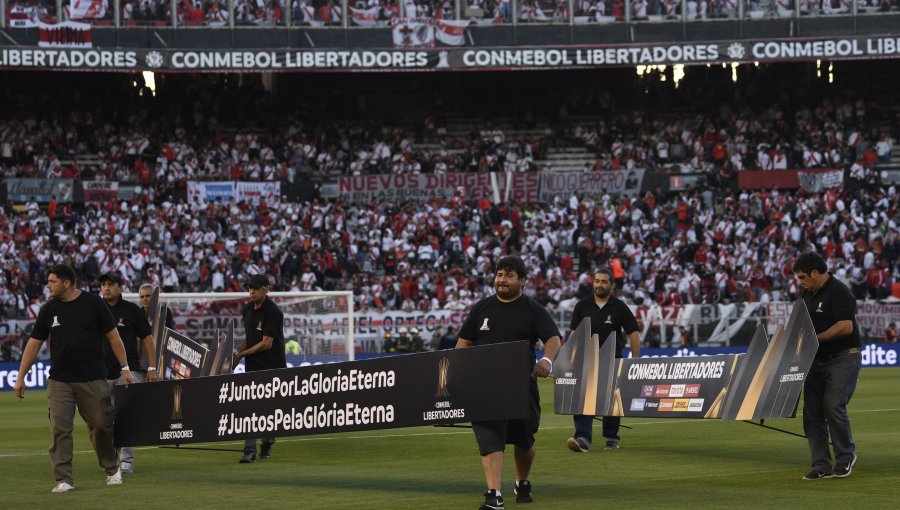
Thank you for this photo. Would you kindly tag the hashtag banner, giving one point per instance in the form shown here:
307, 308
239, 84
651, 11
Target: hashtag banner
453, 386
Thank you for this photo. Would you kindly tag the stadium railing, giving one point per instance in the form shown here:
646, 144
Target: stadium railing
349, 14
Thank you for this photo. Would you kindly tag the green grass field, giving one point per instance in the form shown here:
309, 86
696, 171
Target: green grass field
662, 464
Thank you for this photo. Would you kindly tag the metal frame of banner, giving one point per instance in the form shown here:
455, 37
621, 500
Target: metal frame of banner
204, 448
763, 425
603, 419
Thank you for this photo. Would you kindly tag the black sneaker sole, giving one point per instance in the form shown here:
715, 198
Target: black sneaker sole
839, 473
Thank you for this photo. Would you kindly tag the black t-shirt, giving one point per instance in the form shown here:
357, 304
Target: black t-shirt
77, 331
131, 321
831, 304
265, 321
615, 316
492, 321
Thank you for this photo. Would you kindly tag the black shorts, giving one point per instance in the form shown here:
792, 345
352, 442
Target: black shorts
493, 436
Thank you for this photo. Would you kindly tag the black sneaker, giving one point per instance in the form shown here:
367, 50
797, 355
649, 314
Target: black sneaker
843, 470
492, 501
578, 445
523, 492
612, 444
815, 474
248, 457
265, 452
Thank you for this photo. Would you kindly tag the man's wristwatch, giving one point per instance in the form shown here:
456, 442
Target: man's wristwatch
151, 369
125, 368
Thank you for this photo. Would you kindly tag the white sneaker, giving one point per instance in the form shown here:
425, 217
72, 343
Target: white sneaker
63, 487
115, 478
126, 467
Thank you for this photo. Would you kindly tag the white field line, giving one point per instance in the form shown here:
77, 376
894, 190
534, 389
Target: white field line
417, 434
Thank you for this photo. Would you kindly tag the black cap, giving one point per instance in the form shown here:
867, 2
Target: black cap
111, 276
258, 281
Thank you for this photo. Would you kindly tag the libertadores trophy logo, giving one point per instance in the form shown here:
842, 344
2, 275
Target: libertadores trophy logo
443, 371
176, 403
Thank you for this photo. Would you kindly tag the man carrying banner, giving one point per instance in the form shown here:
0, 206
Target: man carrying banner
134, 330
835, 370
608, 314
76, 322
509, 316
263, 346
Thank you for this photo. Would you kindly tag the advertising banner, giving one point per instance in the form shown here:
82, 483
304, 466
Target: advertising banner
764, 383
500, 186
100, 191
42, 190
181, 357
566, 184
460, 385
446, 58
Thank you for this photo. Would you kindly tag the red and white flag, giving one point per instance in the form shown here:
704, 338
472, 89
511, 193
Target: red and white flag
69, 34
412, 32
451, 32
86, 9
20, 16
364, 17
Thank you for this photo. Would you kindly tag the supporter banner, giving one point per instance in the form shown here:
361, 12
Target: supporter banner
327, 332
565, 184
181, 357
412, 32
86, 9
20, 16
364, 17
451, 32
65, 34
41, 190
211, 191
100, 191
788, 179
816, 182
461, 385
266, 60
767, 385
256, 192
522, 187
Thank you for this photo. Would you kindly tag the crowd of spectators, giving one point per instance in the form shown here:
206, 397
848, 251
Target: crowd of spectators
711, 243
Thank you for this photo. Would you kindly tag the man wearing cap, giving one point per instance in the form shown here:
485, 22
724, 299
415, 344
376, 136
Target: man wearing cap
263, 346
134, 330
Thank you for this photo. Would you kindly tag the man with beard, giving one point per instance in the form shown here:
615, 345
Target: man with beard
608, 314
76, 323
510, 316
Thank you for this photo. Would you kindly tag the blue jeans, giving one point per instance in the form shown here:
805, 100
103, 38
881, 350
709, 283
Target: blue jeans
826, 393
584, 427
